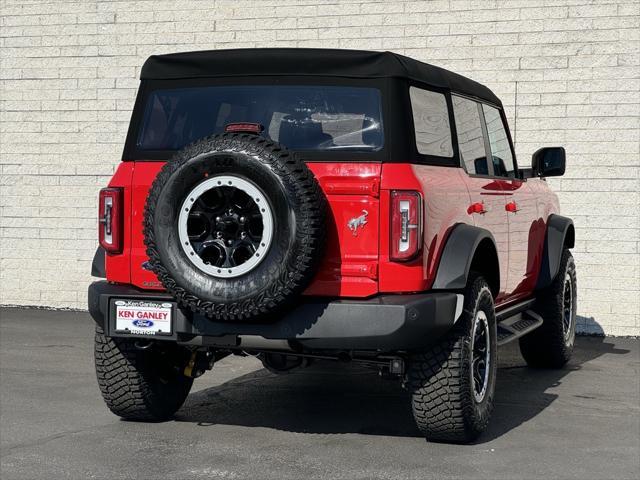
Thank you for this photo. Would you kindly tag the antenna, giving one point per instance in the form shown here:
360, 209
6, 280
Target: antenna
515, 116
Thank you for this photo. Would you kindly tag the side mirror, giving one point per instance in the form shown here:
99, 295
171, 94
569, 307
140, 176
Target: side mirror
549, 162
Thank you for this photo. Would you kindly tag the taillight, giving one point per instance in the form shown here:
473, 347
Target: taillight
406, 225
244, 127
110, 220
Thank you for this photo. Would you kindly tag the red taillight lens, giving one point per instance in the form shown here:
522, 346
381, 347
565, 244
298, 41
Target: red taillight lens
406, 225
110, 220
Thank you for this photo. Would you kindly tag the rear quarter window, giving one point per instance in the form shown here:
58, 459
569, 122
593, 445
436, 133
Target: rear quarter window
431, 122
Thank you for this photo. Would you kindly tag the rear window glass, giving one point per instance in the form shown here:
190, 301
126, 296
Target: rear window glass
300, 117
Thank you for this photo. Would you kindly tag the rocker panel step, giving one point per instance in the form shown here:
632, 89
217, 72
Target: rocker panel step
518, 326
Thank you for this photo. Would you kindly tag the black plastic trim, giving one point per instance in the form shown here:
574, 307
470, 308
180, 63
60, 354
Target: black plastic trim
382, 323
455, 263
558, 227
98, 268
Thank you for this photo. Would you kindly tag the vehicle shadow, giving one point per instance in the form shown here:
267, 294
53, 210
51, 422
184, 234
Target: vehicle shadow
330, 398
522, 392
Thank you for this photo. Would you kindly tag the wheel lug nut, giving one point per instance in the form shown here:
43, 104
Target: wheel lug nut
218, 219
242, 219
229, 242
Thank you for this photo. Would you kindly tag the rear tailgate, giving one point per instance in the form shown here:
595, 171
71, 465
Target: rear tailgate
350, 264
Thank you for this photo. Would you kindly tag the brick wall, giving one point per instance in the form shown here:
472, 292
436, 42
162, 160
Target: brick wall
68, 77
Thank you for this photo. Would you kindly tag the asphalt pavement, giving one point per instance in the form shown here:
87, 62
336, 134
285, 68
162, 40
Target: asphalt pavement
328, 421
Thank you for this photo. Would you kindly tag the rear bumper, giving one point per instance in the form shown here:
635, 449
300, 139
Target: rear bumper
384, 323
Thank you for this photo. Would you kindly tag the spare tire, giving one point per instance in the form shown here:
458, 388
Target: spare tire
234, 227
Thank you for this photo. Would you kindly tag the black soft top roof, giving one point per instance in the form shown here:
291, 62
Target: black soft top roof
308, 61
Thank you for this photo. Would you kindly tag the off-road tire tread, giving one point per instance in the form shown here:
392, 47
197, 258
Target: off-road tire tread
442, 400
127, 383
298, 272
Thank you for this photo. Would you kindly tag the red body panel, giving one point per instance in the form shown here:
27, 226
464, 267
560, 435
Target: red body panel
143, 176
350, 266
356, 262
490, 193
117, 266
445, 200
526, 238
512, 213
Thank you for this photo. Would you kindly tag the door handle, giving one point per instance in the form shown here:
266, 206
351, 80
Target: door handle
512, 207
477, 207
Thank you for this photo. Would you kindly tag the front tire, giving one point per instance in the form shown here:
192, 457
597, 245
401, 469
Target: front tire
551, 345
453, 383
144, 385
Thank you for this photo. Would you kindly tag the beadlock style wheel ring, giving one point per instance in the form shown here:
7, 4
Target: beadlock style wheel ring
567, 309
225, 226
480, 355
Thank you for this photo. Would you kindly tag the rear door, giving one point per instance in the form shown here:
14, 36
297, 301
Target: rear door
487, 193
520, 207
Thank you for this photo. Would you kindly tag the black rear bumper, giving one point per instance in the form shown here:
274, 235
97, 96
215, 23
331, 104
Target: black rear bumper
385, 322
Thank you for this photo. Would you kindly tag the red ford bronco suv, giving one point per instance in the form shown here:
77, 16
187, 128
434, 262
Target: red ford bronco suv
302, 204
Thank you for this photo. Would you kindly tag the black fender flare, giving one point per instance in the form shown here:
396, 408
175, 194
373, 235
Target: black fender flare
458, 254
560, 234
98, 268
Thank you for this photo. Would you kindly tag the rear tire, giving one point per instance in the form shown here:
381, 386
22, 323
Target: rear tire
551, 345
453, 383
145, 385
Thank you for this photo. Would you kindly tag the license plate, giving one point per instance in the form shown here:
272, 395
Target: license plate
141, 317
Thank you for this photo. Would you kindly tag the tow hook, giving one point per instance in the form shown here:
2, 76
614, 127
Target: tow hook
393, 368
396, 366
199, 362
142, 344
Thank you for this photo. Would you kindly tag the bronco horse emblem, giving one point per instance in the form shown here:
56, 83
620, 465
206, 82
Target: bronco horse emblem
357, 222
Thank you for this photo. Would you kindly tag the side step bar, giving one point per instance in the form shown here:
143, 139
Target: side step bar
514, 309
518, 325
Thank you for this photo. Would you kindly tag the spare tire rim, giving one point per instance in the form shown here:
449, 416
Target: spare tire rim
225, 226
567, 308
480, 355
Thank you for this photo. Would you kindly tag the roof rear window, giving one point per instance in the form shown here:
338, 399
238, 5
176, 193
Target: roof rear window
301, 117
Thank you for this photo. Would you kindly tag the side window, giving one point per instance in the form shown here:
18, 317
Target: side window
500, 149
431, 122
470, 140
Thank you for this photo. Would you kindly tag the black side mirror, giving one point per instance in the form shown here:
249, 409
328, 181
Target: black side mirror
549, 162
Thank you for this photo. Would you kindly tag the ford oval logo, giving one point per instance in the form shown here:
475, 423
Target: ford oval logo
143, 323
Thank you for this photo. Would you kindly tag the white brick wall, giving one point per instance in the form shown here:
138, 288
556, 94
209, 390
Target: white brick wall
68, 77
